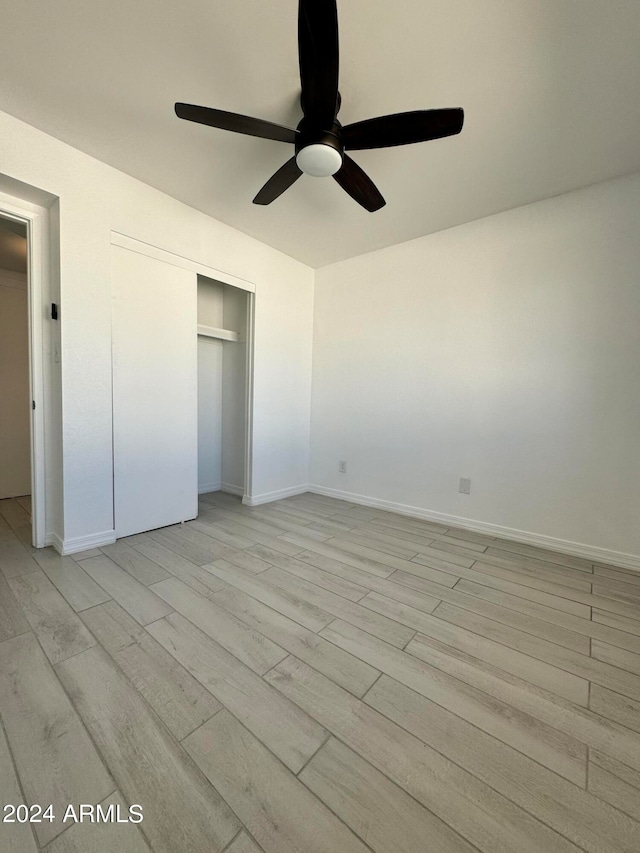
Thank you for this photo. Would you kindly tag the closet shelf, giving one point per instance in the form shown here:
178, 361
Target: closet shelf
221, 334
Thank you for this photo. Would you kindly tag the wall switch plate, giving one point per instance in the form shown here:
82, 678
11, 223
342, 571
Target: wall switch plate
342, 466
465, 486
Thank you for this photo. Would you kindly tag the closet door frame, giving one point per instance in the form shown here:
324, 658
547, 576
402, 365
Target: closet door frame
126, 242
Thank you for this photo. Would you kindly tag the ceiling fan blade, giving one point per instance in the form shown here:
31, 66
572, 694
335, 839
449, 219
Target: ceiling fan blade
278, 183
359, 185
402, 128
318, 56
235, 122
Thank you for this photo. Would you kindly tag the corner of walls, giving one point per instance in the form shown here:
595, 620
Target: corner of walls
502, 350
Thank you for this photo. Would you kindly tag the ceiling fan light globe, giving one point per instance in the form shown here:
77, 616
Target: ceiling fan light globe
319, 160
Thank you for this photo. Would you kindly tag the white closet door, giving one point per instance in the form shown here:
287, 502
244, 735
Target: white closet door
155, 405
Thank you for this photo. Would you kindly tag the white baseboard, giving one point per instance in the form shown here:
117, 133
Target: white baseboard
575, 549
209, 487
55, 541
267, 497
231, 489
81, 543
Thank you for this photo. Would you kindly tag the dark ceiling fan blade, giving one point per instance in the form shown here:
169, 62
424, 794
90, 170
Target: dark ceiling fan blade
278, 183
236, 123
359, 185
402, 128
318, 56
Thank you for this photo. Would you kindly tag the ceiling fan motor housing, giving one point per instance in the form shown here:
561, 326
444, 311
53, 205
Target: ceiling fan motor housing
319, 152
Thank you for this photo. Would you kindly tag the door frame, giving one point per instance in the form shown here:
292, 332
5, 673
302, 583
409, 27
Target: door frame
36, 219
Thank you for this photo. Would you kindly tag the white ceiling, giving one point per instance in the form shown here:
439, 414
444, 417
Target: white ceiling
550, 90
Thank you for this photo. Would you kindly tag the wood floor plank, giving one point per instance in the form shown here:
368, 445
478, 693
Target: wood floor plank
615, 620
211, 528
71, 581
380, 543
375, 808
410, 525
616, 707
285, 729
403, 613
625, 575
278, 810
471, 536
572, 624
339, 586
347, 671
328, 550
194, 576
479, 814
426, 592
628, 596
306, 516
380, 626
289, 524
84, 555
315, 555
616, 657
615, 784
558, 591
243, 844
251, 647
570, 810
212, 547
183, 547
579, 665
55, 759
57, 627
12, 619
139, 601
14, 559
552, 572
538, 672
16, 837
396, 562
256, 535
626, 586
510, 571
266, 522
135, 563
521, 619
174, 694
90, 837
565, 755
181, 809
544, 554
301, 611
589, 726
507, 585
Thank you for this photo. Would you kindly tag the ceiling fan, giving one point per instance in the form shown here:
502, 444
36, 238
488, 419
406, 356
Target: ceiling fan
320, 140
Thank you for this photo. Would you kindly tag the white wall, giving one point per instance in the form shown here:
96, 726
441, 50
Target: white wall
95, 199
506, 350
15, 426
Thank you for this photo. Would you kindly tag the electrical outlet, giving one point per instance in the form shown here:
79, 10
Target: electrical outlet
342, 466
465, 486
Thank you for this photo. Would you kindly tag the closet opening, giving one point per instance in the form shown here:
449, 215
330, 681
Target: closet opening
224, 321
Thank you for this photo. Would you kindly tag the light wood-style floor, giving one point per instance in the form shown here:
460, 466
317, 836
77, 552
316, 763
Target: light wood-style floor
319, 677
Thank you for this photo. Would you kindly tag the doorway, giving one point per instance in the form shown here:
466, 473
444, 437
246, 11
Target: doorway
24, 270
15, 427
